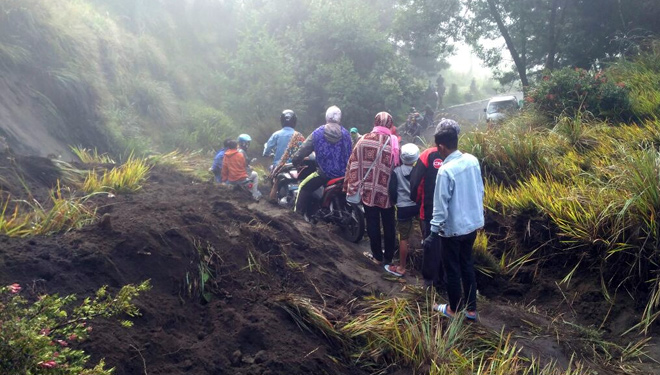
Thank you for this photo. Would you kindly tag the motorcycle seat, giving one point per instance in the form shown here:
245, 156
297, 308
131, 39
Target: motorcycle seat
334, 181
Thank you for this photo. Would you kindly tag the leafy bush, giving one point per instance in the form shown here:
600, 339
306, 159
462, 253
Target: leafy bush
571, 91
40, 337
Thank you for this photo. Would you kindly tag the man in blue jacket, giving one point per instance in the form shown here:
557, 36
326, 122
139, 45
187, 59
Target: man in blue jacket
458, 213
279, 141
216, 168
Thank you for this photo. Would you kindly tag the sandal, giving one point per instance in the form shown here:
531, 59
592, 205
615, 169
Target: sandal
471, 316
370, 256
442, 309
394, 270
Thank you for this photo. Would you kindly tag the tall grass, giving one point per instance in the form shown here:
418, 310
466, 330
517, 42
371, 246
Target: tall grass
30, 218
91, 156
510, 153
596, 185
405, 332
126, 178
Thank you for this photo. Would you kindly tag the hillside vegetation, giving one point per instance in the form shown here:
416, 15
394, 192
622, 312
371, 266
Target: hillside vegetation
573, 186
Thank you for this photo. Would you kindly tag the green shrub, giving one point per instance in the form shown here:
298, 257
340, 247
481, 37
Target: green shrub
41, 337
642, 78
203, 127
571, 91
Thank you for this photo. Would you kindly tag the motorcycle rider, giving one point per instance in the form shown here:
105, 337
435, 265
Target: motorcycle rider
278, 142
332, 145
243, 146
216, 168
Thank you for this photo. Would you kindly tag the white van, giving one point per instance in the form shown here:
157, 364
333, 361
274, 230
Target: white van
500, 107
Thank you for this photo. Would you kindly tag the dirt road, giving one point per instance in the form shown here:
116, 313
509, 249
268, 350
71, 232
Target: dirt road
471, 115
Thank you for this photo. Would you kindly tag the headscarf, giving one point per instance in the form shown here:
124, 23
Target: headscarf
445, 122
383, 124
333, 115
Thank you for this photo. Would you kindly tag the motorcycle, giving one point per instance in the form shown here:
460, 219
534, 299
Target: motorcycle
285, 179
328, 203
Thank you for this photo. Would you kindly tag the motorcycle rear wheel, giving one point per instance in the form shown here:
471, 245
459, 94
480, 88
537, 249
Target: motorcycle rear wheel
354, 225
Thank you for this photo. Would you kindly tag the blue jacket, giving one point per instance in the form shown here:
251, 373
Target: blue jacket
217, 164
278, 143
458, 207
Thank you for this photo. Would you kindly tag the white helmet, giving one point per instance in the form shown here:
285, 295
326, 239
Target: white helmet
409, 153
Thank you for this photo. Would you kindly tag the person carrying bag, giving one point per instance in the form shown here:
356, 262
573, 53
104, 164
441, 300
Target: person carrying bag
378, 153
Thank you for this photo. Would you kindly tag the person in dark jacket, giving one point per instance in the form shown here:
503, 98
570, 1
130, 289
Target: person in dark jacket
332, 145
422, 186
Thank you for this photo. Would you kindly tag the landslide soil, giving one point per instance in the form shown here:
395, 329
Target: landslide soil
261, 255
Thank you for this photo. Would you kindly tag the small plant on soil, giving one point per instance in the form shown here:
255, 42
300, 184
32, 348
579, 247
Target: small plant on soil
41, 337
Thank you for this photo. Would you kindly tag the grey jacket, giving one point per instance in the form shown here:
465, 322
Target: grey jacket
399, 188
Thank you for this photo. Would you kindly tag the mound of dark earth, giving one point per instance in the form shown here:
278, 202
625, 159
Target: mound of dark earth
159, 234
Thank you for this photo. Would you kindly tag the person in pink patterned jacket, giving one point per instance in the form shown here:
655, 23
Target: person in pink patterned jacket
378, 206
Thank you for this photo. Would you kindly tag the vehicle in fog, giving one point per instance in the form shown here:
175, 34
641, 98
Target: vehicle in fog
500, 107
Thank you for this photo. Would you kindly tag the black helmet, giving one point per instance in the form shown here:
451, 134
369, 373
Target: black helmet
288, 118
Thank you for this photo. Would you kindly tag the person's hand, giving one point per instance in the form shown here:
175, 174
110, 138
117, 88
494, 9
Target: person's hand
431, 241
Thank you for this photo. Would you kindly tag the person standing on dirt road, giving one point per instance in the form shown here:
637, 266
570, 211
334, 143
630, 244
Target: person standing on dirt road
458, 213
369, 171
332, 145
406, 209
278, 142
422, 186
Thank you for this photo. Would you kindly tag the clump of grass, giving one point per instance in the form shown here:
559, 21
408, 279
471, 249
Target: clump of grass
510, 152
64, 215
485, 262
127, 178
399, 331
30, 218
405, 332
11, 222
91, 156
311, 318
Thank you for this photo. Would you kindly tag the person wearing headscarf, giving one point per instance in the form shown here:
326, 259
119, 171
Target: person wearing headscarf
355, 135
332, 145
375, 196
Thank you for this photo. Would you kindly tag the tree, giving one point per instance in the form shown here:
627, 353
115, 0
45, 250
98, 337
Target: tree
423, 30
549, 34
